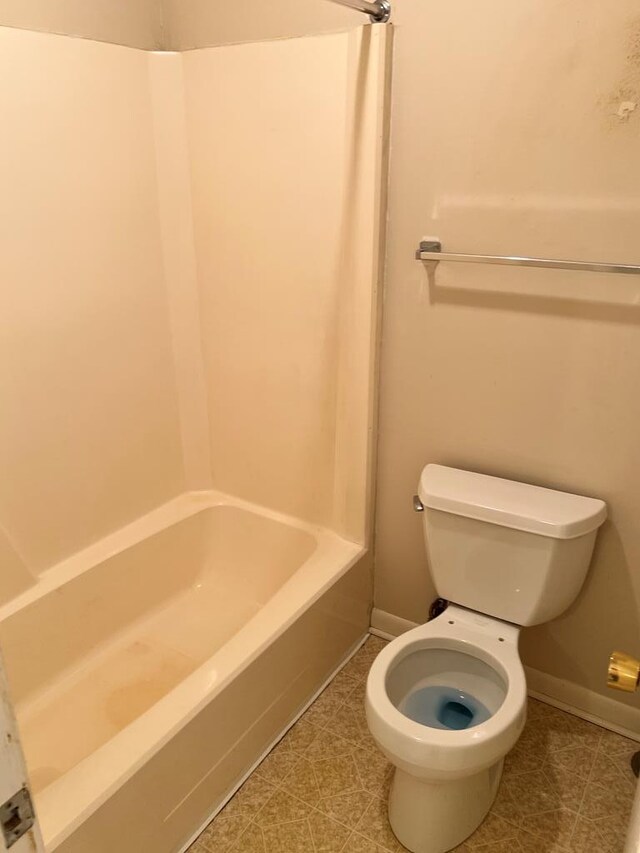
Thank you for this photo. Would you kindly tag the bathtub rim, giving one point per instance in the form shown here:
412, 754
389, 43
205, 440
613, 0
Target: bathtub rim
177, 509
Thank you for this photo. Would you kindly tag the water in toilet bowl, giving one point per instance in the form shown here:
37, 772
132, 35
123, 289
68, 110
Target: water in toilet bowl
443, 707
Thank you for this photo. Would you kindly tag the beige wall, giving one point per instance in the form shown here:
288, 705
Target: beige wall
177, 24
137, 23
198, 23
89, 433
506, 138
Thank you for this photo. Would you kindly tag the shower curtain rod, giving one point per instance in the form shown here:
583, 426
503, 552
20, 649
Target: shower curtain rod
379, 11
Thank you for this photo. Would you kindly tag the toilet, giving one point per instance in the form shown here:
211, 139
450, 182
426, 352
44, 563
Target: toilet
446, 701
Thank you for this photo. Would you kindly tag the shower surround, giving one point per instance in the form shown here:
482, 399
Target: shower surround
192, 249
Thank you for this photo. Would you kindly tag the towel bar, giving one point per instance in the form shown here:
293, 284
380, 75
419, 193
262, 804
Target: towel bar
431, 250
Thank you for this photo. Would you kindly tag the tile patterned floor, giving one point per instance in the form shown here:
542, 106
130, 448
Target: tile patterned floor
566, 788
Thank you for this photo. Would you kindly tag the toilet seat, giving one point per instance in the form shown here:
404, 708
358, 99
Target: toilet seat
431, 752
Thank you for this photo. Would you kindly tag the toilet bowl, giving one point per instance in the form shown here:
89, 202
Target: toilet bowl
446, 701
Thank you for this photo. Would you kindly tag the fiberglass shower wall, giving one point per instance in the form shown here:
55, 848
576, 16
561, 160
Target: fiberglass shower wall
283, 142
189, 255
89, 432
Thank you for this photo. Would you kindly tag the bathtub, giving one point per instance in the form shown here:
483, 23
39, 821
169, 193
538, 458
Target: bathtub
151, 671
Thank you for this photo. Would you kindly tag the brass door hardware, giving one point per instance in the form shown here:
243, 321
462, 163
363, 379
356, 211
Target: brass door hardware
623, 672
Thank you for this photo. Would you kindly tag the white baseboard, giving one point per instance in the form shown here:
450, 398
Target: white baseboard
585, 703
388, 626
570, 697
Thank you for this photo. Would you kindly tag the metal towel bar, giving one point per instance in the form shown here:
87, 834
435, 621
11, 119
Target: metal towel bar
431, 250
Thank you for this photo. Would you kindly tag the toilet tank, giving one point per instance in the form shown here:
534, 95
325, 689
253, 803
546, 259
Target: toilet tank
507, 549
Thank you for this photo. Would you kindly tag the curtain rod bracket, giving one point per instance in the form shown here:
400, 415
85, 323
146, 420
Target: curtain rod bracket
383, 15
379, 11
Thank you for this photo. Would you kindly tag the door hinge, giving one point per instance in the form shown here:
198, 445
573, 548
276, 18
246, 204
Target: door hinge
16, 817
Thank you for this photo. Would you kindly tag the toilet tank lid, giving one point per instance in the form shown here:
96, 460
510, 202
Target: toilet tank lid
533, 509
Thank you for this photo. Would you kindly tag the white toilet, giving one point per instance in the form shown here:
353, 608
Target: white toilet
446, 701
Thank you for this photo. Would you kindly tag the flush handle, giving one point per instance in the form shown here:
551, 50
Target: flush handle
624, 672
418, 506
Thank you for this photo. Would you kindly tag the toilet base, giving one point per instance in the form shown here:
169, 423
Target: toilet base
435, 816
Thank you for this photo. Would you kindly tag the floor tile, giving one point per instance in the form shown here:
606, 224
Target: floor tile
323, 708
329, 745
577, 760
588, 837
349, 723
531, 793
300, 737
282, 808
337, 776
509, 845
550, 828
613, 834
355, 699
562, 731
198, 847
374, 825
346, 808
528, 754
601, 801
535, 708
567, 786
302, 783
277, 765
506, 806
531, 844
250, 841
359, 665
493, 829
251, 797
328, 835
359, 844
342, 686
613, 771
292, 837
222, 832
374, 771
614, 744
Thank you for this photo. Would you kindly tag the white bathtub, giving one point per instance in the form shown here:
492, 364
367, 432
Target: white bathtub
152, 670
